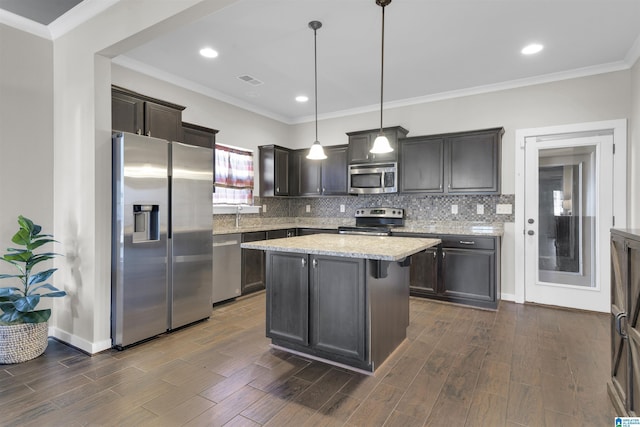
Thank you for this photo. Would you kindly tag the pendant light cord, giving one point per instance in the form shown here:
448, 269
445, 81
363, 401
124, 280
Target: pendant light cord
315, 76
382, 71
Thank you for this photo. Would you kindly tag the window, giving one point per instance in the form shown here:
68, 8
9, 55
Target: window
234, 176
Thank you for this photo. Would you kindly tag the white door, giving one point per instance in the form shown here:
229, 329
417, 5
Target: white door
568, 215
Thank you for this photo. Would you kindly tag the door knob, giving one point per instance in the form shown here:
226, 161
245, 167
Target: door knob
530, 233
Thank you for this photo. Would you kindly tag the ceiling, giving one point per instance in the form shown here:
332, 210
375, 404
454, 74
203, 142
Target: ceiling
434, 49
41, 11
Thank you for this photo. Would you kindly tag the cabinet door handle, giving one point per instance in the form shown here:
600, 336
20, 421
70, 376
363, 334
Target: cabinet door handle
139, 131
444, 254
278, 189
318, 189
315, 263
304, 262
619, 318
434, 254
467, 242
148, 133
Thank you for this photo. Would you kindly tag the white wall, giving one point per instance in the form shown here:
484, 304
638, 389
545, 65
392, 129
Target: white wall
633, 184
26, 133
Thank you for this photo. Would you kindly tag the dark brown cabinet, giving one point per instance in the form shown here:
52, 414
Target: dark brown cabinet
306, 175
473, 161
320, 177
137, 113
253, 267
274, 170
252, 264
462, 269
456, 163
329, 319
468, 273
424, 272
422, 165
198, 135
360, 144
334, 171
624, 385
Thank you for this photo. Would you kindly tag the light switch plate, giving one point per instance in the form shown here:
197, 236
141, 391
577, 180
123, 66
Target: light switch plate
264, 208
454, 209
342, 208
504, 209
480, 209
307, 208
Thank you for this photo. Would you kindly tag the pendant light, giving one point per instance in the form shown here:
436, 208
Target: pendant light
316, 152
381, 144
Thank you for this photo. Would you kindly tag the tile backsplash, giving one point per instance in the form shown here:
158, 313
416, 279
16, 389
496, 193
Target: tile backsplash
417, 208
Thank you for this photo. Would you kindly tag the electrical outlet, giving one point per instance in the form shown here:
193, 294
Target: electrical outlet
454, 209
480, 209
342, 208
307, 208
264, 208
504, 209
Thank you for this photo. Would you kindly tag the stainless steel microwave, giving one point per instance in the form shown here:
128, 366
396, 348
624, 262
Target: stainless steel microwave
373, 178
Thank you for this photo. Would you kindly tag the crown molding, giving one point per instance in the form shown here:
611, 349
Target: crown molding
74, 17
477, 90
633, 54
24, 24
154, 72
78, 15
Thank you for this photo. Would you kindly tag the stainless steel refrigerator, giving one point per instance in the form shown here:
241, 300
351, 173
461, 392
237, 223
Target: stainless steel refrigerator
161, 236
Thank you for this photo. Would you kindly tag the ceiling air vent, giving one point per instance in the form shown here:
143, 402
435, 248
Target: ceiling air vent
251, 80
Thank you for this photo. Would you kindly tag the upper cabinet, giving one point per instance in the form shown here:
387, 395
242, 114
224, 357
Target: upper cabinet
421, 164
136, 113
456, 163
319, 177
334, 171
198, 135
274, 170
360, 144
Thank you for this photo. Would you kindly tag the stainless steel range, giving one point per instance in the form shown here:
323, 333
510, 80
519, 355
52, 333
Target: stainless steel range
375, 221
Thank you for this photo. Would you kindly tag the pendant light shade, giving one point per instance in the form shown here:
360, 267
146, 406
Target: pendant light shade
316, 152
381, 144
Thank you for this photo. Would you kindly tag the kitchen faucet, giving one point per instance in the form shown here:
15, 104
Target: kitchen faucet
238, 216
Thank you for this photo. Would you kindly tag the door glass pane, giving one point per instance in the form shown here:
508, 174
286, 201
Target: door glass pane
566, 215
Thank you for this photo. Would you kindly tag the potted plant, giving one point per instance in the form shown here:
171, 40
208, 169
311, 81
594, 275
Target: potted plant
23, 329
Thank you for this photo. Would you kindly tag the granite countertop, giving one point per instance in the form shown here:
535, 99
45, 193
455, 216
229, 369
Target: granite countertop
466, 229
384, 248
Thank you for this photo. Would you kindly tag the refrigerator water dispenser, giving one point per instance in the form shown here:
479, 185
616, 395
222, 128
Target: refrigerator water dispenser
145, 223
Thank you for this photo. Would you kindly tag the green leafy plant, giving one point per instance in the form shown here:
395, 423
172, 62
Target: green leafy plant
18, 304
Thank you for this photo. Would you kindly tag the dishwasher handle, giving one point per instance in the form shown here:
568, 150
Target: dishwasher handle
225, 243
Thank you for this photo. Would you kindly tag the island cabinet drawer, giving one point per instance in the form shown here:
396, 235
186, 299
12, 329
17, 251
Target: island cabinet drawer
468, 242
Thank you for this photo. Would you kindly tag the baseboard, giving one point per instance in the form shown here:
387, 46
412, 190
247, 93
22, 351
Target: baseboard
79, 343
508, 297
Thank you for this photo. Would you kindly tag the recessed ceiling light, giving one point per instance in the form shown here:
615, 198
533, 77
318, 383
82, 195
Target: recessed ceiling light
531, 49
302, 98
207, 52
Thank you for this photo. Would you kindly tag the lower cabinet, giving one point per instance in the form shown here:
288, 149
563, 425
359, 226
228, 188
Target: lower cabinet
462, 269
328, 319
252, 264
624, 385
253, 260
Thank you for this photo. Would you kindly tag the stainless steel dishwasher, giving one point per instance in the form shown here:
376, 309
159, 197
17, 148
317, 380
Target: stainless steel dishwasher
226, 267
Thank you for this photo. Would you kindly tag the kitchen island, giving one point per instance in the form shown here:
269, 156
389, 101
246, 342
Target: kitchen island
343, 299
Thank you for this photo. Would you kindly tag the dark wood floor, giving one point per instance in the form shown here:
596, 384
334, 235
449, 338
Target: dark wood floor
519, 366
